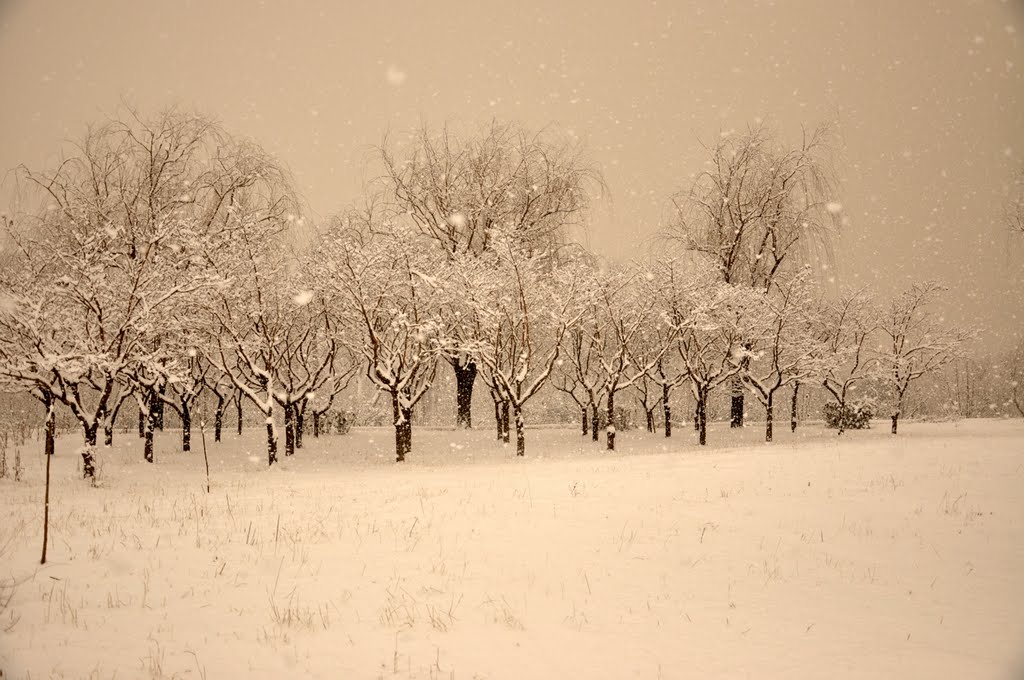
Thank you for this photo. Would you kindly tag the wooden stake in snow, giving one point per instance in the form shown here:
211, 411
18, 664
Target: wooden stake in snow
202, 435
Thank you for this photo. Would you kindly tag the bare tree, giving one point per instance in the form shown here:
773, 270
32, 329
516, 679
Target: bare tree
917, 342
759, 208
787, 350
846, 325
523, 312
459, 190
388, 282
118, 238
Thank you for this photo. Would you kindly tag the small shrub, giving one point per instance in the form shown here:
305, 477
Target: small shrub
849, 416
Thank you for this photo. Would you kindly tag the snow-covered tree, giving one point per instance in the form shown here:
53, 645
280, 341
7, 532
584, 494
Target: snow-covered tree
846, 325
714, 326
459, 190
120, 234
523, 308
388, 281
759, 208
619, 310
785, 348
916, 342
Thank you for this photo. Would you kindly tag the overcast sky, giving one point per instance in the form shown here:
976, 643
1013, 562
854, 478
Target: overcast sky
928, 97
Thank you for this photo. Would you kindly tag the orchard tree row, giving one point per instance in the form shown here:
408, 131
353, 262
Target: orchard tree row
163, 258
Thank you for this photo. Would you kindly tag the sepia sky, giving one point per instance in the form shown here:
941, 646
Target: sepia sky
928, 96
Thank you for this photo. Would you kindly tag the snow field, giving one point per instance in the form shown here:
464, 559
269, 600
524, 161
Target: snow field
865, 556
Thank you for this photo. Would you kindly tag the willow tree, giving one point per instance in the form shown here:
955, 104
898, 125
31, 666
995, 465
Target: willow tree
457, 190
760, 207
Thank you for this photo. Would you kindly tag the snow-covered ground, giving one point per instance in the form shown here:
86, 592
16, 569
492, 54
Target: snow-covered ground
865, 556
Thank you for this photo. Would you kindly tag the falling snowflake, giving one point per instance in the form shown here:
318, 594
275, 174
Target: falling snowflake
395, 75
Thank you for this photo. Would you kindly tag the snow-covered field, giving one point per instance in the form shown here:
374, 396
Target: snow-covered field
864, 556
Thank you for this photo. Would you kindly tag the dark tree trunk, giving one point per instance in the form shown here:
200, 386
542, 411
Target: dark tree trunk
583, 410
88, 462
895, 422
594, 423
465, 375
650, 420
300, 418
497, 418
142, 424
316, 424
271, 443
108, 433
736, 408
792, 408
406, 432
238, 407
49, 427
186, 428
147, 445
403, 428
156, 408
667, 410
520, 432
289, 430
218, 418
769, 415
610, 430
504, 422
702, 417
696, 415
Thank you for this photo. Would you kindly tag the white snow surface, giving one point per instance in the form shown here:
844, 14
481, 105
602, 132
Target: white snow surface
861, 556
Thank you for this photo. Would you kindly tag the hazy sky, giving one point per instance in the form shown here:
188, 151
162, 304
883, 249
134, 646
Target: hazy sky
928, 95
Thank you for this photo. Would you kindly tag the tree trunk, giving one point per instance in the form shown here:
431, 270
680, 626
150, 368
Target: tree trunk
271, 441
464, 378
650, 420
583, 410
769, 414
186, 428
88, 462
403, 428
316, 424
696, 415
289, 430
108, 433
142, 424
610, 431
218, 418
736, 409
504, 422
238, 406
520, 431
300, 417
792, 409
895, 421
147, 445
497, 418
156, 408
49, 427
702, 417
667, 410
406, 432
594, 423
